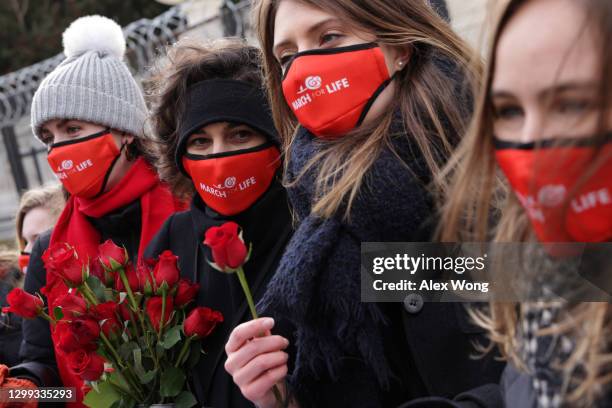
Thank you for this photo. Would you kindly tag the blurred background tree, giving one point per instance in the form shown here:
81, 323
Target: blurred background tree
32, 29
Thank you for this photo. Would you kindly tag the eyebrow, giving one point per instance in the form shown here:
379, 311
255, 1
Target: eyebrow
310, 30
60, 124
557, 89
226, 126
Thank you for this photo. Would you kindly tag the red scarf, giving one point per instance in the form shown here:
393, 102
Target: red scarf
157, 203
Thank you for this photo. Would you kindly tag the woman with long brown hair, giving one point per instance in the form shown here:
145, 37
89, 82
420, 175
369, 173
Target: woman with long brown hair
369, 98
544, 119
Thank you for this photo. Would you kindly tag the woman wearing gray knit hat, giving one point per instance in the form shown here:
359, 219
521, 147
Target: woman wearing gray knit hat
91, 114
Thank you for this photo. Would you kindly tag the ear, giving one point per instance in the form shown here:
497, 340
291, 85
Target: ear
402, 57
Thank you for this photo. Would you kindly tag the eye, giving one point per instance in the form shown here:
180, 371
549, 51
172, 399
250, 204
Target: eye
242, 136
508, 112
329, 37
72, 129
573, 106
198, 141
46, 137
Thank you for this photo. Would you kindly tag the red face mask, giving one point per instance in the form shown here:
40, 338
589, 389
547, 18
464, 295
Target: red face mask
230, 182
83, 165
24, 259
545, 179
331, 90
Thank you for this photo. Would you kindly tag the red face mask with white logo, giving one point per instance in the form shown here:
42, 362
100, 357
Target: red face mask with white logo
548, 180
230, 182
83, 165
331, 90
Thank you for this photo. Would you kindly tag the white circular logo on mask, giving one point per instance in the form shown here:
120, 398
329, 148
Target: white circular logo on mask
66, 164
230, 182
551, 195
313, 82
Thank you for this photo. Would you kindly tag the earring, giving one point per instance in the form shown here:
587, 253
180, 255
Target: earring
400, 64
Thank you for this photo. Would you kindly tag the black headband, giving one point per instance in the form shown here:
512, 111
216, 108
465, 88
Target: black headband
224, 100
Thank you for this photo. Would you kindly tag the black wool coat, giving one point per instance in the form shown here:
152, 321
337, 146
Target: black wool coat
267, 226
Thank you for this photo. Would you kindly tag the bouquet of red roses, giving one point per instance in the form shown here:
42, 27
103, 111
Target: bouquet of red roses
124, 330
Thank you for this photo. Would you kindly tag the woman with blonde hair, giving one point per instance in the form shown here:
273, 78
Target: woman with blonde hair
543, 123
38, 211
369, 98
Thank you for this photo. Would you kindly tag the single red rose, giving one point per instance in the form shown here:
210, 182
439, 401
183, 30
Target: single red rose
185, 292
106, 314
227, 247
56, 255
108, 252
72, 305
153, 308
201, 321
79, 334
132, 277
144, 271
87, 366
166, 269
23, 304
63, 260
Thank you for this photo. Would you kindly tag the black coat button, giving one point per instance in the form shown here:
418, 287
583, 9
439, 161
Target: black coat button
413, 303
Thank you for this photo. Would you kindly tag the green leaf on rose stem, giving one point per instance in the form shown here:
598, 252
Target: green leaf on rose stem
194, 354
147, 377
171, 337
122, 296
185, 400
96, 286
58, 314
126, 349
171, 382
105, 397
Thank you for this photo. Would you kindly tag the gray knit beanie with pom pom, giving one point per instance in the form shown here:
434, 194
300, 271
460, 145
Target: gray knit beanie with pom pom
92, 84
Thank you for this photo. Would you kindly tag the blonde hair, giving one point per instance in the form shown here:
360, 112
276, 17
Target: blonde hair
478, 207
434, 109
52, 198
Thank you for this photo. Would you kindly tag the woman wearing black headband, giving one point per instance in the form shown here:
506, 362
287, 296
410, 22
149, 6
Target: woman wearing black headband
218, 141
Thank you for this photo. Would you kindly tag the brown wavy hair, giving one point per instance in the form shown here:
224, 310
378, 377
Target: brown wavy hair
186, 63
478, 207
434, 101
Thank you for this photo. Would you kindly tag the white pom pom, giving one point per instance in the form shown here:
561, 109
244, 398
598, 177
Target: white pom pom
94, 33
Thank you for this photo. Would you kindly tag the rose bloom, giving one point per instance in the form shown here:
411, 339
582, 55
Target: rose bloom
185, 292
108, 250
72, 305
153, 309
228, 249
88, 366
166, 269
201, 321
23, 304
